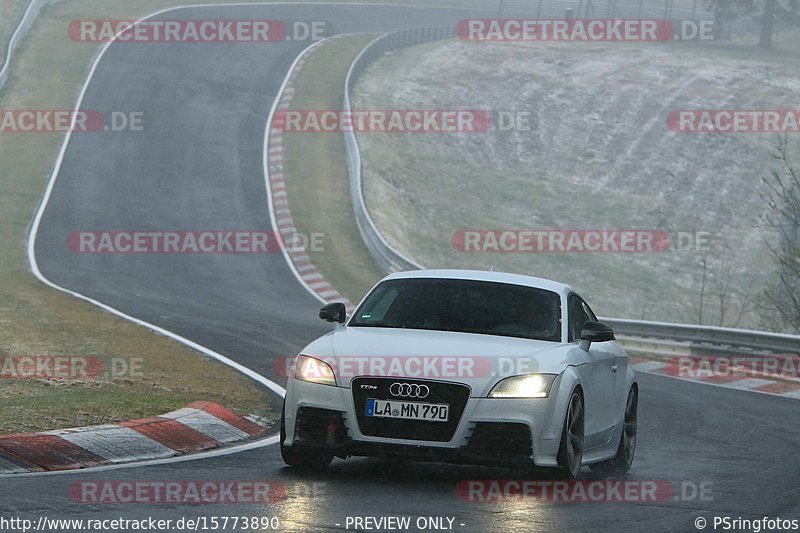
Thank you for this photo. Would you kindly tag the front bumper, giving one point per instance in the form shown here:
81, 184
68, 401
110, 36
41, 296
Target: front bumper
489, 431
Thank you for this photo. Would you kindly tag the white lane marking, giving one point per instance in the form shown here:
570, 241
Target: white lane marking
207, 424
649, 366
115, 443
34, 231
46, 198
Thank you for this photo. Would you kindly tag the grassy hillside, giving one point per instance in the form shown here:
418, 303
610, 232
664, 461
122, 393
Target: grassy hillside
598, 155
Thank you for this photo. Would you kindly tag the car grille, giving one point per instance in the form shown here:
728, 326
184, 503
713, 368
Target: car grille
454, 394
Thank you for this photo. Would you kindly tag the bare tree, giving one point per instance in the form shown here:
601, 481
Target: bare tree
730, 291
726, 11
723, 296
783, 216
766, 11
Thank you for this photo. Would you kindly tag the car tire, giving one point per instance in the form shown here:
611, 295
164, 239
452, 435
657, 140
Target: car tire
306, 459
570, 452
622, 461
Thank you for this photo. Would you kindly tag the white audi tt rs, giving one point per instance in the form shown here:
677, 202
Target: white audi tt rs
464, 367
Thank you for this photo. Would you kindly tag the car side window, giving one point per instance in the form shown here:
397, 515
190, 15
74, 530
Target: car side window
578, 316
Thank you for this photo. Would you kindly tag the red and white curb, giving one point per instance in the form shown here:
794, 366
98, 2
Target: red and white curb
737, 379
300, 259
200, 426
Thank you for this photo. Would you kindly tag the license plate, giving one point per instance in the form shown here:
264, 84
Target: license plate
432, 412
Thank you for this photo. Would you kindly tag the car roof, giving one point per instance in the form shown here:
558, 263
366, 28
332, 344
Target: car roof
485, 275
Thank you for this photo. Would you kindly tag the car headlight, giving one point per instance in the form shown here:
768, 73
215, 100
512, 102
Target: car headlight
310, 369
529, 386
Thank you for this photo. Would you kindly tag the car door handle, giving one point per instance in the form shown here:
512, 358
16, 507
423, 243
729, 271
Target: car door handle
615, 368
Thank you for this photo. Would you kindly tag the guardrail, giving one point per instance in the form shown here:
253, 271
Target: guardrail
385, 255
664, 338
24, 25
709, 337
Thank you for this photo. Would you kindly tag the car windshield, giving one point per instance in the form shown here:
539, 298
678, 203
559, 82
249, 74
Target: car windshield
465, 306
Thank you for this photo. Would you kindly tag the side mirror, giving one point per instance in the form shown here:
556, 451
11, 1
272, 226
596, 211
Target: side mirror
335, 312
595, 332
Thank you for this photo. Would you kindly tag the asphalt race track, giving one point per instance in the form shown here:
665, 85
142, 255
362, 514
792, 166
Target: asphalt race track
198, 165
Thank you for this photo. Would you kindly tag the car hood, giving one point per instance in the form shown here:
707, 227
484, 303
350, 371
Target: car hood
477, 360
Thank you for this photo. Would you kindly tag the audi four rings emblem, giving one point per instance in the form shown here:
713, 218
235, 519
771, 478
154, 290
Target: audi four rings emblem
409, 390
